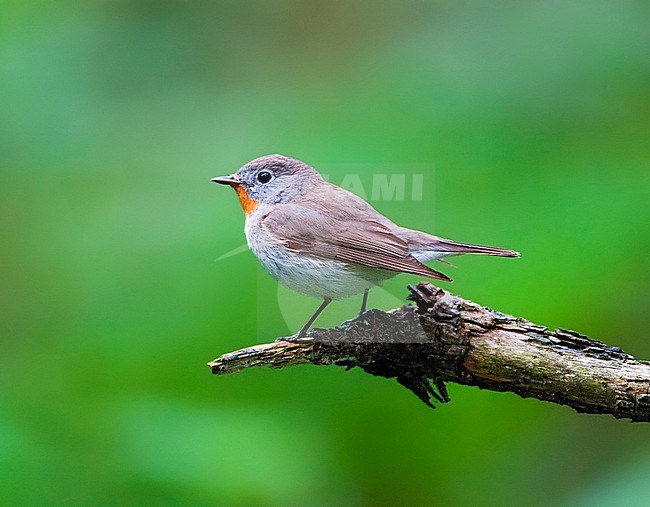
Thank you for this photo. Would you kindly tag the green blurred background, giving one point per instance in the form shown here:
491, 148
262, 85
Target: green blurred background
529, 121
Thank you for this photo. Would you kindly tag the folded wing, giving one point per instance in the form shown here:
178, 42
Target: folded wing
355, 239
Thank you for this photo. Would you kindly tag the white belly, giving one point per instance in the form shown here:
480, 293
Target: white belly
307, 274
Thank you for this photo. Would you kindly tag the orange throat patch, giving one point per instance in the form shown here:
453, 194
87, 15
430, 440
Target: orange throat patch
247, 204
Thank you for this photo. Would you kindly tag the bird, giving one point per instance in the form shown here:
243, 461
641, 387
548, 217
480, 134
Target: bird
323, 241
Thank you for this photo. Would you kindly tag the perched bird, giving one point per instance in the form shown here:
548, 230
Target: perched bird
321, 240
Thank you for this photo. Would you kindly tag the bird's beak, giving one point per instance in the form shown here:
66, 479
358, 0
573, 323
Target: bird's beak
226, 180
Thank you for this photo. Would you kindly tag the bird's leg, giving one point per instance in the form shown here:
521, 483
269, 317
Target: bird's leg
305, 328
364, 301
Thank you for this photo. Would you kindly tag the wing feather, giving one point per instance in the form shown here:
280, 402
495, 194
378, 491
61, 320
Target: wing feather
359, 239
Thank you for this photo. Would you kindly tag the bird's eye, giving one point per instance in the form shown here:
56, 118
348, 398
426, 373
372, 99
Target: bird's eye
264, 177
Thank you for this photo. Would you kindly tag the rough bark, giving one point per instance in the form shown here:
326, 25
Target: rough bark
444, 338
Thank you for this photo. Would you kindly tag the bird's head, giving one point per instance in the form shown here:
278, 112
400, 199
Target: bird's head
272, 179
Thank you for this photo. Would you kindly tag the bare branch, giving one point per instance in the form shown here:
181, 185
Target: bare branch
444, 338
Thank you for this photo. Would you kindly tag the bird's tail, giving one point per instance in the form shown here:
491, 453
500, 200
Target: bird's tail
428, 247
454, 247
